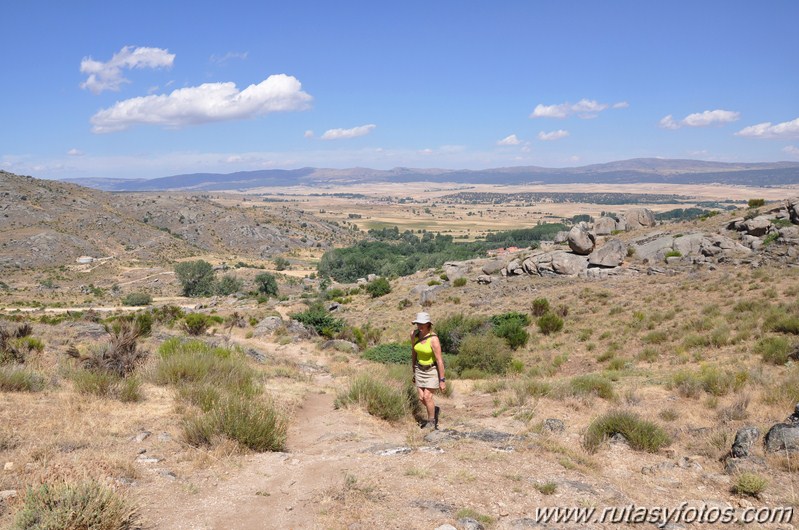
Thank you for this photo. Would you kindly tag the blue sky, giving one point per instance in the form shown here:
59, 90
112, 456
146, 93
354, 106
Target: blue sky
148, 89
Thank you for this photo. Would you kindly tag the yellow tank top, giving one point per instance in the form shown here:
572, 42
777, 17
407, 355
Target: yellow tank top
424, 352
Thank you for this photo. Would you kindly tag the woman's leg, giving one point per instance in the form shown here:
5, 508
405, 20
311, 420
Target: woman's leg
429, 404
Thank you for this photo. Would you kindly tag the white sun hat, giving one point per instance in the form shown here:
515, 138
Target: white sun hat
422, 318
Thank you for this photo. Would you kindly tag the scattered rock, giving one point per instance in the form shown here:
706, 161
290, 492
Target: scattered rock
793, 209
745, 438
569, 264
782, 437
604, 226
751, 464
467, 523
554, 425
484, 279
141, 436
340, 345
9, 466
493, 266
758, 227
434, 506
267, 326
446, 527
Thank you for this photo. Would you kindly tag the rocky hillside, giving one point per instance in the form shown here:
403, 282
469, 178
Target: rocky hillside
47, 223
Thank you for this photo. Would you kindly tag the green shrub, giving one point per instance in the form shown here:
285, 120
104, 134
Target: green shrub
196, 278
20, 380
485, 352
640, 434
253, 424
459, 282
380, 399
789, 324
750, 484
673, 254
756, 203
511, 327
137, 299
266, 284
587, 384
709, 378
549, 323
774, 349
546, 488
540, 307
282, 263
66, 506
452, 330
379, 287
96, 383
228, 285
319, 318
391, 353
655, 337
168, 314
129, 390
196, 323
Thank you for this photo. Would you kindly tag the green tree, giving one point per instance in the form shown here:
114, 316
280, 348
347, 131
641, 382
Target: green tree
281, 263
229, 284
378, 287
195, 277
266, 284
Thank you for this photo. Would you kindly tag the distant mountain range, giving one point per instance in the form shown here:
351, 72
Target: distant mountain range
638, 170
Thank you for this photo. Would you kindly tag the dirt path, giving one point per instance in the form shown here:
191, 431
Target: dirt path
281, 490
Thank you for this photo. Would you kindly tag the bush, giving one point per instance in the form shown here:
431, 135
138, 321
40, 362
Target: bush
266, 284
709, 378
137, 299
319, 318
549, 323
452, 330
514, 333
756, 203
774, 350
391, 353
102, 384
379, 287
640, 434
168, 314
253, 424
540, 307
196, 278
750, 484
459, 282
228, 285
380, 399
655, 337
68, 506
582, 385
196, 323
120, 355
19, 380
485, 352
282, 264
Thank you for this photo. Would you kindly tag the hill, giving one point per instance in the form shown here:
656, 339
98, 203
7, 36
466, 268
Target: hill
49, 223
651, 170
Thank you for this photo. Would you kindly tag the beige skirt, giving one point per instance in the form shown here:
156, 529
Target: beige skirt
426, 378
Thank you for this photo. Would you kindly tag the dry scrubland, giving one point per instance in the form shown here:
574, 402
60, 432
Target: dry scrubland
238, 429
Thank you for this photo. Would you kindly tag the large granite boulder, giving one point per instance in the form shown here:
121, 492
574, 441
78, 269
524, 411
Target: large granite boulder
793, 210
653, 249
581, 241
758, 227
493, 266
604, 226
569, 264
611, 254
782, 437
639, 218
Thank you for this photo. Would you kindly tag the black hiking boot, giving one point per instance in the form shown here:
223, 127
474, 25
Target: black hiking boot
435, 421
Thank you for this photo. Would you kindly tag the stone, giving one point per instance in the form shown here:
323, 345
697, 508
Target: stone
467, 523
611, 254
604, 226
267, 326
371, 277
581, 241
430, 293
9, 466
569, 264
688, 244
745, 438
750, 464
514, 267
758, 227
493, 266
554, 425
653, 250
561, 237
140, 437
793, 209
638, 218
455, 270
782, 437
340, 345
446, 527
484, 279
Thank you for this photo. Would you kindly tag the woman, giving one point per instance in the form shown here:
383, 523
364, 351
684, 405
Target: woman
428, 366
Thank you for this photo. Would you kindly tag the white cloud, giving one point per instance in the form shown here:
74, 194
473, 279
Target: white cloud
340, 134
620, 105
585, 108
791, 150
108, 76
75, 152
206, 103
787, 129
554, 135
308, 134
701, 119
509, 140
